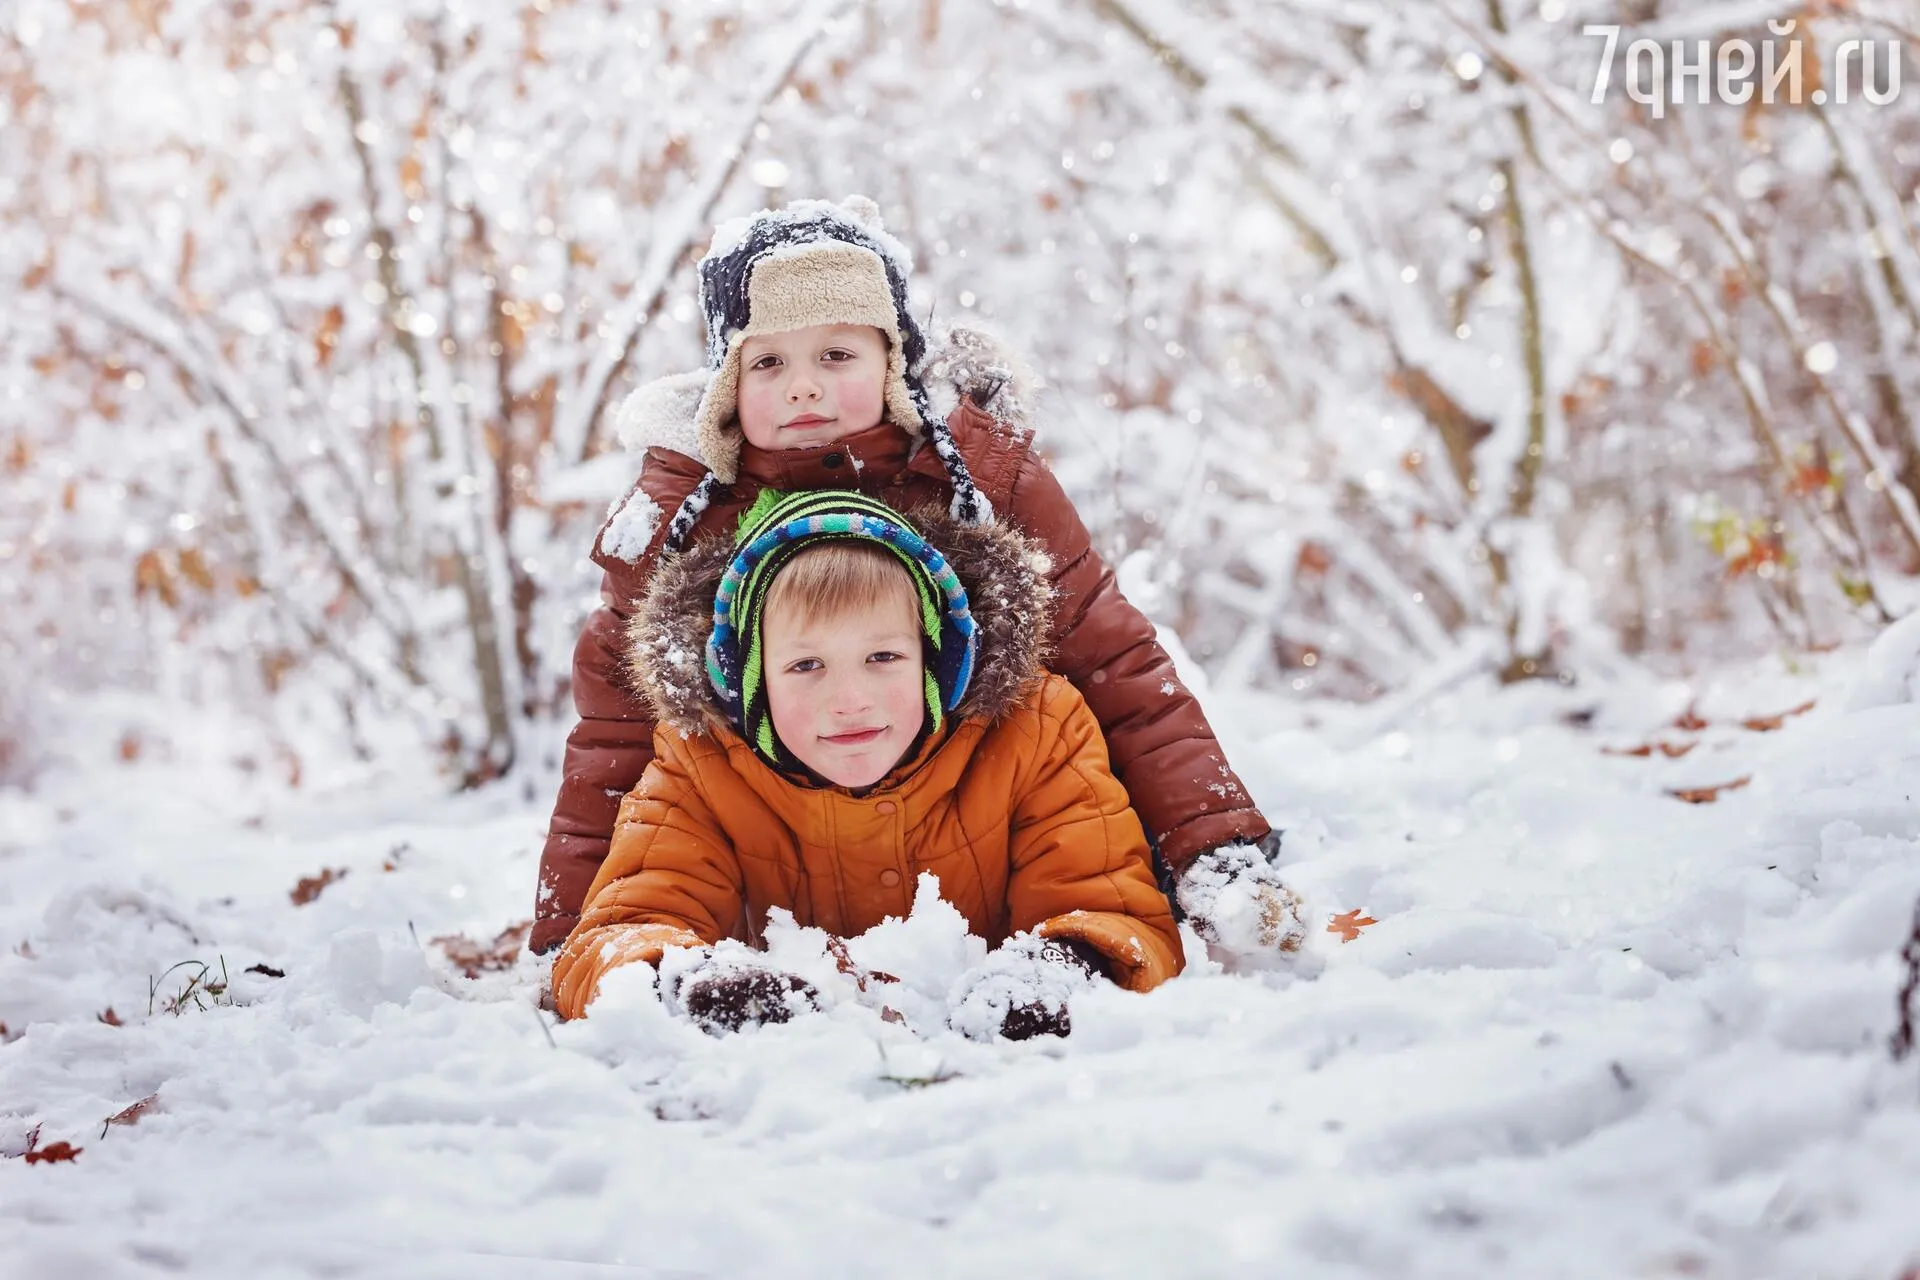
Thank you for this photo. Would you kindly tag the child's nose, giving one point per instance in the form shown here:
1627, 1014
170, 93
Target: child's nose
804, 385
848, 696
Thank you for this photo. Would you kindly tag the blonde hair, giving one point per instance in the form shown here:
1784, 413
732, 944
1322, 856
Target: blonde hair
833, 580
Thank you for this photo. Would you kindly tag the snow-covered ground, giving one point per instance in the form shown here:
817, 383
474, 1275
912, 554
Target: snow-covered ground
1595, 1031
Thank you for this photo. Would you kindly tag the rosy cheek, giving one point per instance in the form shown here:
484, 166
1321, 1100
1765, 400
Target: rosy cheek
863, 397
757, 410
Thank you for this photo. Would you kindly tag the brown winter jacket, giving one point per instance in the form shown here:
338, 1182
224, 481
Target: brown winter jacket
1014, 809
1161, 745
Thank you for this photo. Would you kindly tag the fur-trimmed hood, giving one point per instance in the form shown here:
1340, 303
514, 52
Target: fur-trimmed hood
664, 413
1007, 589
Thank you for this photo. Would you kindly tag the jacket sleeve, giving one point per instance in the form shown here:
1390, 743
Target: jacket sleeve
1161, 745
1081, 866
612, 744
607, 752
670, 880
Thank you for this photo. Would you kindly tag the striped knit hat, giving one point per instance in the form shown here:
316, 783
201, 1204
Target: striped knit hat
776, 528
810, 263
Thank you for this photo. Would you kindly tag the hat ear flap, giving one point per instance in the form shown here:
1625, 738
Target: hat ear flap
723, 671
953, 665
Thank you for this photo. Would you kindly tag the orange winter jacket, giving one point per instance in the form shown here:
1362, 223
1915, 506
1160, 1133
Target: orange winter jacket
1014, 810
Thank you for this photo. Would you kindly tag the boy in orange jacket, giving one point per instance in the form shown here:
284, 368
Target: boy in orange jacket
845, 701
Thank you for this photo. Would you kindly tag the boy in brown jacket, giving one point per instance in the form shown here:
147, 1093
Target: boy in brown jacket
846, 702
817, 376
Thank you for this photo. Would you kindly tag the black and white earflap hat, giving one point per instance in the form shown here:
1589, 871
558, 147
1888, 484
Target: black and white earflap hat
810, 263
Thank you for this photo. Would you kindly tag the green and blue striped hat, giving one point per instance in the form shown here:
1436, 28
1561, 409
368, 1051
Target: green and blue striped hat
771, 532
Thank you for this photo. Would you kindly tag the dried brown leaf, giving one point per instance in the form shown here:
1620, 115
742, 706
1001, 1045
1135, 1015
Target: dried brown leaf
1312, 561
1707, 795
310, 887
58, 1153
474, 958
1767, 724
1348, 924
152, 574
111, 1018
131, 1114
327, 340
194, 568
843, 961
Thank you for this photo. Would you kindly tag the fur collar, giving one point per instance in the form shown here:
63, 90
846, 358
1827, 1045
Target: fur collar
969, 362
1006, 580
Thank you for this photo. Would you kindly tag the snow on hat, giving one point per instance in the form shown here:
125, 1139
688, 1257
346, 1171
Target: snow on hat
778, 527
811, 262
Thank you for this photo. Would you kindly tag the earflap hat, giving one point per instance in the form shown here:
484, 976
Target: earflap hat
776, 529
810, 263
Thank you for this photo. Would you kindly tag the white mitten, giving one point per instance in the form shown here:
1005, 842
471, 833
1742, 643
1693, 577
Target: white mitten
1234, 899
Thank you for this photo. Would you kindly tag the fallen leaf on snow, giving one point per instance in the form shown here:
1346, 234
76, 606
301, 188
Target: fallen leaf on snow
475, 958
58, 1153
111, 1018
1707, 795
131, 1114
310, 887
1689, 721
1671, 750
1348, 924
267, 969
1767, 724
843, 960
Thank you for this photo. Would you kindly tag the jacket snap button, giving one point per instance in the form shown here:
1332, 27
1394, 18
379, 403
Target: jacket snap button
889, 877
884, 808
834, 459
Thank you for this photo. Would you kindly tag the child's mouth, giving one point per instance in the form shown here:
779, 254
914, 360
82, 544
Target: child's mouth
859, 737
808, 420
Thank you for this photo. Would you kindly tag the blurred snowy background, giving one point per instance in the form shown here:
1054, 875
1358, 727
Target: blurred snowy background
1377, 349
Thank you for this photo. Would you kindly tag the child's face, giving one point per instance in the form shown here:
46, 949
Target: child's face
846, 694
811, 386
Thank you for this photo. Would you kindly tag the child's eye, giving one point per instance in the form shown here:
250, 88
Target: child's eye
768, 361
885, 655
801, 666
837, 355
